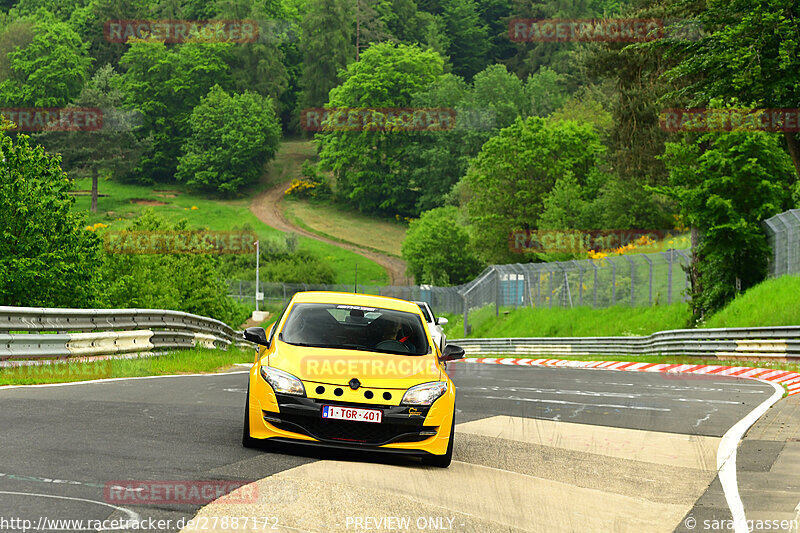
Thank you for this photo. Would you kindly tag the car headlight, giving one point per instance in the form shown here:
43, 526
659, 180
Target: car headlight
424, 394
282, 382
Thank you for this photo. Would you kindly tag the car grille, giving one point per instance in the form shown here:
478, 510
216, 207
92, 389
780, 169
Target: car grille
349, 431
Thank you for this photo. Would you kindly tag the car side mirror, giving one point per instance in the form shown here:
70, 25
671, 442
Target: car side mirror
257, 335
441, 321
451, 353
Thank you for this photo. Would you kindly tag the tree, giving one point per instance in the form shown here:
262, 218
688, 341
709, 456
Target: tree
725, 185
165, 84
436, 248
327, 48
48, 72
493, 101
46, 257
468, 36
751, 56
546, 91
232, 139
112, 149
372, 167
506, 184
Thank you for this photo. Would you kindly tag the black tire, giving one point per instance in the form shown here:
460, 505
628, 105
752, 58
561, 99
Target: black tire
443, 461
247, 440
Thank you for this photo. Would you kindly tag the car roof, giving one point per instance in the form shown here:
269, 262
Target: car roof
349, 298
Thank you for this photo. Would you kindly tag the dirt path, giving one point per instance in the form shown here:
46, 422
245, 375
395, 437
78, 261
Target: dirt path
267, 207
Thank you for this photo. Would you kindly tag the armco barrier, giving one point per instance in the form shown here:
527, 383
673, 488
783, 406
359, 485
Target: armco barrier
41, 333
781, 342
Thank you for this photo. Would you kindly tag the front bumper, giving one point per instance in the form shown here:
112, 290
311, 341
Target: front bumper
403, 429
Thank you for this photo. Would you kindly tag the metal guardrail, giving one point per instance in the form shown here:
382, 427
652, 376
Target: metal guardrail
28, 333
723, 343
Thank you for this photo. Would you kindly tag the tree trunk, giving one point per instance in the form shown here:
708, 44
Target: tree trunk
94, 190
794, 149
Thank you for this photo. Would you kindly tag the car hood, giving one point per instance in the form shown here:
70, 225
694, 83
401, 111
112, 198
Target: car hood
338, 367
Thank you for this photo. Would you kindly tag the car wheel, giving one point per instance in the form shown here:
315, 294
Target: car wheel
443, 461
247, 440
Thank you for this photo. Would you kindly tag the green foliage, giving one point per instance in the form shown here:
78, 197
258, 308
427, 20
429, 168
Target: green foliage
232, 139
506, 184
48, 72
546, 91
750, 56
112, 150
327, 47
165, 84
371, 168
469, 44
437, 249
184, 282
46, 257
311, 184
725, 185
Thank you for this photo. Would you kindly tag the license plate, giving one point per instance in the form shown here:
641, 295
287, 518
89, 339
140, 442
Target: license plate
351, 413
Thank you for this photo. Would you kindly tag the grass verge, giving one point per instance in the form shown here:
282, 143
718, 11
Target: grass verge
339, 224
613, 321
193, 361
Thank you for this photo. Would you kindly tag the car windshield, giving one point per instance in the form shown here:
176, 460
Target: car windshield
425, 313
355, 327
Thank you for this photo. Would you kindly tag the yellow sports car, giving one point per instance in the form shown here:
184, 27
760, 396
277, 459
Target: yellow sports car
351, 371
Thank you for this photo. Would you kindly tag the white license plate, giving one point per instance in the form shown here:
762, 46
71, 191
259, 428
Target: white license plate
351, 413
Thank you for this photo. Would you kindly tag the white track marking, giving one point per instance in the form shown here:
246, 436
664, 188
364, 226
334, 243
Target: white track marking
726, 459
109, 380
131, 515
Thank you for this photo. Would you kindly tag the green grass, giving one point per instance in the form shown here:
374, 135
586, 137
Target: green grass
337, 223
774, 302
214, 214
193, 361
618, 320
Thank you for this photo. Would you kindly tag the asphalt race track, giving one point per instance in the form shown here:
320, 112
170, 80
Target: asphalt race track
537, 449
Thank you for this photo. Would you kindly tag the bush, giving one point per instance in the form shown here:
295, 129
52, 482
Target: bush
437, 249
184, 282
46, 257
310, 184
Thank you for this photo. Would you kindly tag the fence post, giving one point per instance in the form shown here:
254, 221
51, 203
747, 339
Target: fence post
669, 275
594, 305
613, 282
650, 265
466, 312
633, 280
497, 292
